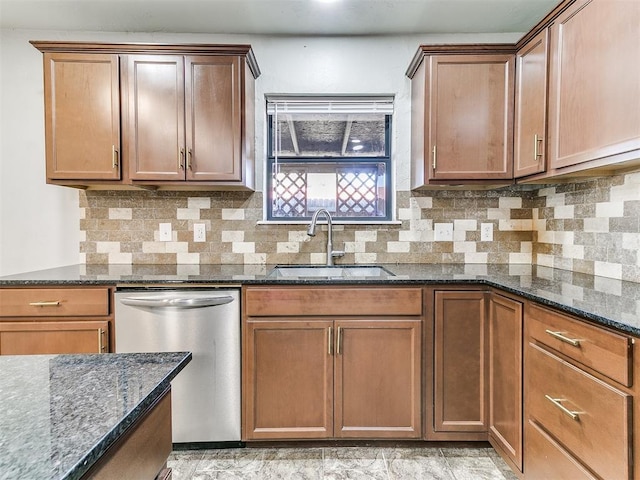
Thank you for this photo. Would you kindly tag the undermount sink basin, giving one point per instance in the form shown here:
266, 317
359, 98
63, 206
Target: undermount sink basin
325, 271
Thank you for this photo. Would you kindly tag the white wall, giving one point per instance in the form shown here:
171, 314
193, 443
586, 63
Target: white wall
39, 223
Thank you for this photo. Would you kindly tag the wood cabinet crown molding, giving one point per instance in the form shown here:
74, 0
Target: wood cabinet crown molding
456, 49
152, 48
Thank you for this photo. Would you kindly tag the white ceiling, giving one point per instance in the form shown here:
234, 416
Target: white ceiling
277, 17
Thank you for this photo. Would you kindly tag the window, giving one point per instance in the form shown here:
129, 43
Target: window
331, 153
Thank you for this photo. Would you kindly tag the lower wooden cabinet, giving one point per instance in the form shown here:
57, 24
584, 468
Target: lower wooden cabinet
142, 451
288, 379
505, 378
549, 459
378, 379
56, 337
56, 320
323, 379
460, 366
579, 421
307, 375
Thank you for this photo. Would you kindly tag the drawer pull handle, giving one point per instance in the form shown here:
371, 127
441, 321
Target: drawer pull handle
101, 346
562, 338
54, 303
330, 346
339, 341
556, 402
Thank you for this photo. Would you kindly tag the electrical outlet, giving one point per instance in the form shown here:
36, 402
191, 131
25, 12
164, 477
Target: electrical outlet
199, 232
486, 232
165, 232
443, 232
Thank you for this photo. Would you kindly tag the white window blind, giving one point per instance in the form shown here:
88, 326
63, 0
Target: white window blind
326, 105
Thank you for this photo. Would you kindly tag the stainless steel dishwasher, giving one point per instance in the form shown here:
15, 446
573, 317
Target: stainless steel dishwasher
206, 394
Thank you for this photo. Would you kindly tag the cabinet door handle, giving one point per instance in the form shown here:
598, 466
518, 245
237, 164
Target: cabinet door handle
434, 157
560, 336
189, 155
114, 156
330, 342
181, 159
101, 347
53, 303
339, 341
536, 143
557, 402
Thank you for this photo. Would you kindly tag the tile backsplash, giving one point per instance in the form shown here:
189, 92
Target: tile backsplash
589, 227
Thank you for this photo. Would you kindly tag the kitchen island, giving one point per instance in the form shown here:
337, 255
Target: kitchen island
65, 416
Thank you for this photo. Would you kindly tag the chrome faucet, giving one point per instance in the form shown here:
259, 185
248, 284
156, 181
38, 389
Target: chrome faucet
311, 231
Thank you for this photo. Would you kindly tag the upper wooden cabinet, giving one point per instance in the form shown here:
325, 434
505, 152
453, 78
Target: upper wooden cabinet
187, 118
530, 125
82, 116
461, 115
594, 93
186, 114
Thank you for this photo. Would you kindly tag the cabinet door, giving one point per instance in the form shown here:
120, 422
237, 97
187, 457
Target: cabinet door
505, 377
154, 133
471, 111
213, 118
377, 387
82, 116
288, 379
27, 338
594, 94
460, 362
531, 107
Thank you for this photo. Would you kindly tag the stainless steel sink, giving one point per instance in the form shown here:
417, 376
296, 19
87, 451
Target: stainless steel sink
325, 271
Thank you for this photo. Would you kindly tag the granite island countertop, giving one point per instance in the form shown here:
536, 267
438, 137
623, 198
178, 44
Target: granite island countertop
605, 301
60, 413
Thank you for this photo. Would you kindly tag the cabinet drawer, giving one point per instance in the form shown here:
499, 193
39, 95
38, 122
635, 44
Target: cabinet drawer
53, 302
546, 459
606, 352
277, 301
585, 415
49, 338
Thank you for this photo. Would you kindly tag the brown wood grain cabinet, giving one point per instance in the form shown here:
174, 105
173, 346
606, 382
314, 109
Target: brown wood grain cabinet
530, 124
143, 449
505, 378
314, 369
594, 92
150, 115
578, 420
460, 366
82, 116
55, 320
188, 118
53, 337
462, 116
289, 379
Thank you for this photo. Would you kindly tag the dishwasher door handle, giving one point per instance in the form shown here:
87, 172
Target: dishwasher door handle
150, 302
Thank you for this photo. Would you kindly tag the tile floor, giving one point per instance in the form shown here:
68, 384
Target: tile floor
340, 463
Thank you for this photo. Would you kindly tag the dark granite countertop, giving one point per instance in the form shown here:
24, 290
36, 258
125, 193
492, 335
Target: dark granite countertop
606, 301
60, 413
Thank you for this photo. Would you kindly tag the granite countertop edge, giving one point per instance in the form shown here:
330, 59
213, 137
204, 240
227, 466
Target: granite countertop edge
410, 274
110, 438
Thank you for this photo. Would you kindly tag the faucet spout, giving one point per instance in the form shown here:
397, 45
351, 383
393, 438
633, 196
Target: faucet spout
311, 231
